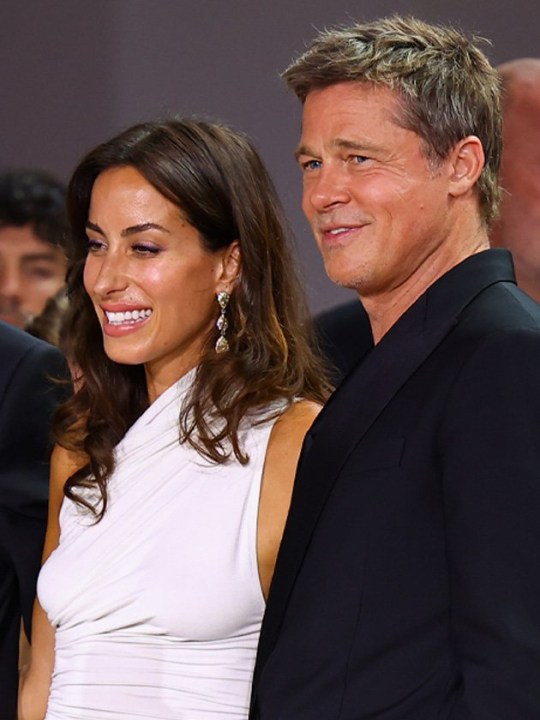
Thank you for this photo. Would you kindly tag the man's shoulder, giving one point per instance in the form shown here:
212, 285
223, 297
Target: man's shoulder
504, 307
478, 295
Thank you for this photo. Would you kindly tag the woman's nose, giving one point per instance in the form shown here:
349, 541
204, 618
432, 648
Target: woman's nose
106, 274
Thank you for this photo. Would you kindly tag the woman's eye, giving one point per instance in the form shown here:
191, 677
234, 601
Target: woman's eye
143, 249
94, 245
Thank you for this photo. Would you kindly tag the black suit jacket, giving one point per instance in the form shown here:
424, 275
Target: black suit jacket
407, 585
27, 400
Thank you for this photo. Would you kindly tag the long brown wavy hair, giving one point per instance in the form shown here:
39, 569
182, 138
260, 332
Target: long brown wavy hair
217, 179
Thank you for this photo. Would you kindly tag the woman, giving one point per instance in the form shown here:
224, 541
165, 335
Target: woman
177, 453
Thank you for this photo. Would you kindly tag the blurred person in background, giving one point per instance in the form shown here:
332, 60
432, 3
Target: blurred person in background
32, 227
518, 227
51, 324
344, 337
28, 398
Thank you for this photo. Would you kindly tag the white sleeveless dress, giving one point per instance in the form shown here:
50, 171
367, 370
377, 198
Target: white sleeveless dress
158, 607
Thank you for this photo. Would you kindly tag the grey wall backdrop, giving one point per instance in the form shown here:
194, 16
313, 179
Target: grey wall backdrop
73, 72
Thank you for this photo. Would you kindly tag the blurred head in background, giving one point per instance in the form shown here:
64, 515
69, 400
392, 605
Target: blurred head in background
32, 228
518, 227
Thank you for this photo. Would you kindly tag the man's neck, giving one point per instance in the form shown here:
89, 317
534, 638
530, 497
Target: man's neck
385, 309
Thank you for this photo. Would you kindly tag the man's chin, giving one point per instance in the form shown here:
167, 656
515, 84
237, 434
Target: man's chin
342, 277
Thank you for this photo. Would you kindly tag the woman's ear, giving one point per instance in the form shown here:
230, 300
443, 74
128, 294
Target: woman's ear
230, 266
467, 160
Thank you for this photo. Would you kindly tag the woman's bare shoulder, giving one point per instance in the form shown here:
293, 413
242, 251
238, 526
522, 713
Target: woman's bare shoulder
289, 432
65, 462
292, 426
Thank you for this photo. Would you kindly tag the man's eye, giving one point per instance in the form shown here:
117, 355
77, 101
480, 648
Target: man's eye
310, 165
358, 159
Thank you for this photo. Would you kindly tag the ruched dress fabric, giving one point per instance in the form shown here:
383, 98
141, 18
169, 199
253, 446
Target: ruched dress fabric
158, 607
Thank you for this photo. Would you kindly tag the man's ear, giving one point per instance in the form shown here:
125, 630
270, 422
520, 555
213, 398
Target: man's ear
230, 265
467, 162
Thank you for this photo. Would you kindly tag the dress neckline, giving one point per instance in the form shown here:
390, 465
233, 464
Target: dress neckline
169, 400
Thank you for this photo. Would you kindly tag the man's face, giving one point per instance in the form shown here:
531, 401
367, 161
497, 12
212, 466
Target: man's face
31, 271
378, 209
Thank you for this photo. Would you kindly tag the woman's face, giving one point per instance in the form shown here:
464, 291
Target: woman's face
152, 283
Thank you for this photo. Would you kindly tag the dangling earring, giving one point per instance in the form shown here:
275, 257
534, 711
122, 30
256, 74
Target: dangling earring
222, 324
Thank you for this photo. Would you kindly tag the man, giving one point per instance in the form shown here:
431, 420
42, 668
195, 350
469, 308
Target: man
518, 227
28, 397
32, 224
407, 584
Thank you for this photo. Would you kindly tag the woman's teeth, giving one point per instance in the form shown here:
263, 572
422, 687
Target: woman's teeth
129, 316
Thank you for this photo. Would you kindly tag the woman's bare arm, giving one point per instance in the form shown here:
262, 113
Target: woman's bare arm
279, 471
35, 678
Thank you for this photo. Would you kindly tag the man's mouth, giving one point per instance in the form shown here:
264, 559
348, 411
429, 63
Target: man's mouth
338, 230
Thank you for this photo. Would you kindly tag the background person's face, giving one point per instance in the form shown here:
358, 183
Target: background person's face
518, 226
31, 271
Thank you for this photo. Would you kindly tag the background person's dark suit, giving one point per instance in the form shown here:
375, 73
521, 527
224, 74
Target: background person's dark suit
27, 400
408, 583
344, 336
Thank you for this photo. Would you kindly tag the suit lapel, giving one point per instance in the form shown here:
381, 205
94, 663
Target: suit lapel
355, 406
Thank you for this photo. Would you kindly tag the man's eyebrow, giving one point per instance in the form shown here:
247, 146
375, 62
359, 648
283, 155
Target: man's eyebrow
132, 230
340, 143
303, 150
352, 145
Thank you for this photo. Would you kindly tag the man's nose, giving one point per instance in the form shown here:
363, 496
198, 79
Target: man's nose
328, 189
